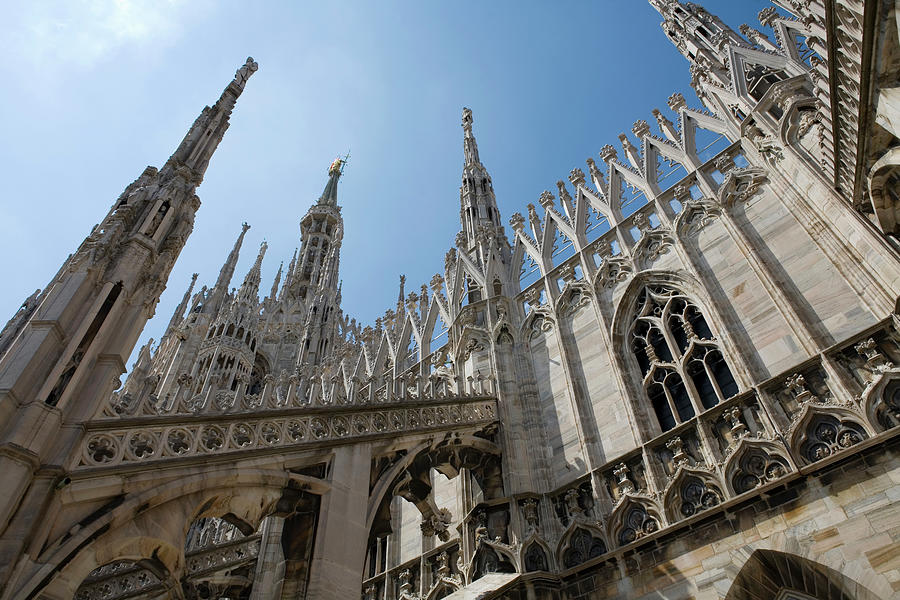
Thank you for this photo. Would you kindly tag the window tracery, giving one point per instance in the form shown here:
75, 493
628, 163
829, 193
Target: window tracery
683, 369
582, 547
757, 467
826, 435
696, 495
535, 558
636, 524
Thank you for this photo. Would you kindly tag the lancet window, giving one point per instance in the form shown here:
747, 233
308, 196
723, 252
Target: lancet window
683, 369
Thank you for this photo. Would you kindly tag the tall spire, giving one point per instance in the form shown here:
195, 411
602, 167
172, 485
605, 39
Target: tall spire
250, 288
402, 295
203, 138
329, 196
470, 146
478, 207
179, 312
274, 293
290, 274
227, 272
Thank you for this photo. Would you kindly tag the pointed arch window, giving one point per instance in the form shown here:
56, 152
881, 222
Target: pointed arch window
683, 369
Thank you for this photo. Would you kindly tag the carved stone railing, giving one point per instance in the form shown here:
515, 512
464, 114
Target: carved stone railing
296, 391
142, 440
222, 556
117, 581
121, 580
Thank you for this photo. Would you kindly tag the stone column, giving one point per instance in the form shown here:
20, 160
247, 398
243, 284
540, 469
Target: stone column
340, 551
270, 564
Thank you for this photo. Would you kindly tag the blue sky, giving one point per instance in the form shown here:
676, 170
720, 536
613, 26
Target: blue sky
95, 91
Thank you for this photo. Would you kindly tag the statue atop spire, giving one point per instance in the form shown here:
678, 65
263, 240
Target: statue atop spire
329, 195
201, 141
470, 147
243, 74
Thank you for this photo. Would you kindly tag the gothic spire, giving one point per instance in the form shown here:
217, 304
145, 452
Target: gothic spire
203, 138
329, 196
478, 207
274, 293
470, 146
179, 312
401, 295
250, 288
227, 271
289, 277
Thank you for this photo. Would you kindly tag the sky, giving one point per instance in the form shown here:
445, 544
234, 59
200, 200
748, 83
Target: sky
95, 91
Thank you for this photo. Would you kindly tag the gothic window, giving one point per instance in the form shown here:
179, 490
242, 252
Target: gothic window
757, 467
488, 561
498, 288
826, 435
684, 372
695, 495
637, 523
582, 547
535, 558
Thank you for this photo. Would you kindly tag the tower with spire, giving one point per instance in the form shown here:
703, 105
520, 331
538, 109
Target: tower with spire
64, 351
694, 346
230, 340
478, 206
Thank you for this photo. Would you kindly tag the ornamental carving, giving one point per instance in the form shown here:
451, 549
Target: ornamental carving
755, 466
152, 442
613, 270
825, 435
582, 547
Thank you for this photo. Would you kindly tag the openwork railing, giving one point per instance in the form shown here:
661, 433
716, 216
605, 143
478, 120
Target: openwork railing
125, 579
149, 439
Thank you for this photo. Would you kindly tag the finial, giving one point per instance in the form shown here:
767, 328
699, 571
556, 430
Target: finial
244, 227
402, 286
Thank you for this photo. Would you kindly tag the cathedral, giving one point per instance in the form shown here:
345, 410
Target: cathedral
677, 376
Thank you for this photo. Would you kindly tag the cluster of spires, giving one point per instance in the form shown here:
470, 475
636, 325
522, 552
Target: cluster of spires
476, 180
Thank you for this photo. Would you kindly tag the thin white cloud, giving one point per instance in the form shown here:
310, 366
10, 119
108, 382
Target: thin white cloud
60, 34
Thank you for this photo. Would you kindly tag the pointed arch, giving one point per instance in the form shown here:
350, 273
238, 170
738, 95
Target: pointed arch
537, 322
820, 432
535, 555
634, 518
771, 574
249, 495
691, 491
580, 544
755, 463
671, 348
490, 558
575, 296
881, 401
